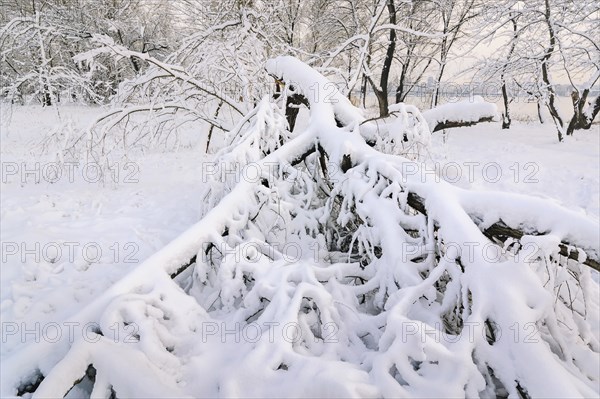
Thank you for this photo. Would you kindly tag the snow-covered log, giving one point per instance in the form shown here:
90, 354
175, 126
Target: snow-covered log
462, 113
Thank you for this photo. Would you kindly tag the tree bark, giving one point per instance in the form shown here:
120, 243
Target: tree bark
400, 89
46, 96
212, 127
581, 118
453, 124
381, 92
506, 121
500, 232
546, 76
506, 115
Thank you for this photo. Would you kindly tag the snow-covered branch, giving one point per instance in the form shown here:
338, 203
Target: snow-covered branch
462, 113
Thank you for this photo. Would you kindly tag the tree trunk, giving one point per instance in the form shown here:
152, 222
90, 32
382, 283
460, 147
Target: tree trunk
593, 113
46, 97
292, 109
506, 115
436, 93
363, 91
381, 92
443, 59
546, 76
506, 121
539, 112
210, 131
582, 119
383, 102
400, 95
453, 124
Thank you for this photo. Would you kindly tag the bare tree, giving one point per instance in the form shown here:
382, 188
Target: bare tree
416, 52
454, 16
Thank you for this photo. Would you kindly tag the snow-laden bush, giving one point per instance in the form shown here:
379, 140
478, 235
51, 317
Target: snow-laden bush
327, 267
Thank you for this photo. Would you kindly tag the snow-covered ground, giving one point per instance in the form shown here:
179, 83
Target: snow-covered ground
52, 231
526, 158
66, 238
65, 242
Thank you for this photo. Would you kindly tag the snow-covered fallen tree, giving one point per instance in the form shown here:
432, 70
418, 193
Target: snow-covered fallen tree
462, 113
326, 265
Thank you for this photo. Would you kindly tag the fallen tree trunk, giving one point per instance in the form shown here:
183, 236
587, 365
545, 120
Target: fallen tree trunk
453, 124
500, 232
460, 114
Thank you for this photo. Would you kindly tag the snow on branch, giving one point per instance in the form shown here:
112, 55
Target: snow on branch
109, 46
312, 85
463, 113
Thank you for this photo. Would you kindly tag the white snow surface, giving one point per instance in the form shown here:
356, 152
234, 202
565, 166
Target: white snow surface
525, 159
135, 213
